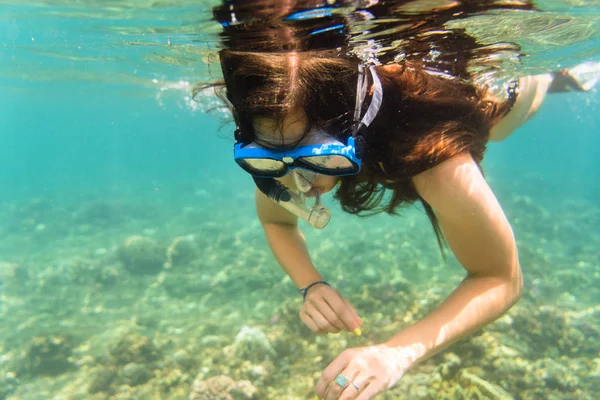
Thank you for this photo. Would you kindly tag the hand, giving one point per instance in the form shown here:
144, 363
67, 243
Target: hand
326, 311
369, 371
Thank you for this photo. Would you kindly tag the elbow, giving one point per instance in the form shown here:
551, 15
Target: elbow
512, 283
515, 284
513, 278
518, 291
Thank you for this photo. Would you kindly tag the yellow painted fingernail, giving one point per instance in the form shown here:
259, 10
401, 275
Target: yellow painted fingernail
316, 398
357, 332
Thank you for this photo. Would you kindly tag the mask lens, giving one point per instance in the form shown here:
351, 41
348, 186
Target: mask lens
334, 162
264, 166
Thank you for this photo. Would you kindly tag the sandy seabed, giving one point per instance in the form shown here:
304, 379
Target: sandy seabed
178, 297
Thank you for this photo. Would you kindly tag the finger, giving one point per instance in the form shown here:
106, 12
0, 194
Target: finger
354, 312
353, 388
308, 321
332, 371
312, 323
343, 315
371, 390
339, 385
324, 307
322, 323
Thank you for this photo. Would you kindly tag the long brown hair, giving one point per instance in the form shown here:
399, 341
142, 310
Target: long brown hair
425, 118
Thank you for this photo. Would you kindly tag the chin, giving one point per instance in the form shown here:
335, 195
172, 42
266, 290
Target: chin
325, 187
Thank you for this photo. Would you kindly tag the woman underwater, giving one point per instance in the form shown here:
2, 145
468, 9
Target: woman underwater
313, 117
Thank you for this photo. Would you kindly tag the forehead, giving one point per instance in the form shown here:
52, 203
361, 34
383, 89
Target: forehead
291, 129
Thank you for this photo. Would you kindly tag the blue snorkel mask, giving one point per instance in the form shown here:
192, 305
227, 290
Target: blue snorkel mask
318, 153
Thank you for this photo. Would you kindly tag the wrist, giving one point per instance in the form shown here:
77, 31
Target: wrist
304, 291
405, 357
306, 278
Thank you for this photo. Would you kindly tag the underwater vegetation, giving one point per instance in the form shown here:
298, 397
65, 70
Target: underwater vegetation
189, 304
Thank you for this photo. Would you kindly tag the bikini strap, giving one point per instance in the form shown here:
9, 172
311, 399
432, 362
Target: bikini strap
513, 92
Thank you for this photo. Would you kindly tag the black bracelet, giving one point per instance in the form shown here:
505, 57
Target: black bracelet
304, 290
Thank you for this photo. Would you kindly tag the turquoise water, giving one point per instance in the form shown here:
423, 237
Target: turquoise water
101, 142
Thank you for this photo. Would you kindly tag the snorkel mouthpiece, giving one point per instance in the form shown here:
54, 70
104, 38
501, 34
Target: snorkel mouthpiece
273, 189
318, 216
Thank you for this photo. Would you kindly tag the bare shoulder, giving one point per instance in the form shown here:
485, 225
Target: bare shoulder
470, 216
456, 188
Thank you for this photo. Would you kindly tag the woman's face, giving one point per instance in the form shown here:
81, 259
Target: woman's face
292, 129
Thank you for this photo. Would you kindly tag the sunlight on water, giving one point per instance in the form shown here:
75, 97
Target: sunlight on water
139, 42
166, 45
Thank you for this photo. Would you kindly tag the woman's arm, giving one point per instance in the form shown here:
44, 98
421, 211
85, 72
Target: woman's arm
482, 240
325, 310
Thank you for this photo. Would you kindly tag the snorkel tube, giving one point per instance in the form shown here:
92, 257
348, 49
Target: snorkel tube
318, 216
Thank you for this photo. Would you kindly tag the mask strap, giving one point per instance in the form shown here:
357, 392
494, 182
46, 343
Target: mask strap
375, 100
361, 93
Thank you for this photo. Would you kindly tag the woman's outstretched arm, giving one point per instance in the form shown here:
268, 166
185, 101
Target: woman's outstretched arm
482, 240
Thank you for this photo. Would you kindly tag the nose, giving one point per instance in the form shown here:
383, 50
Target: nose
304, 179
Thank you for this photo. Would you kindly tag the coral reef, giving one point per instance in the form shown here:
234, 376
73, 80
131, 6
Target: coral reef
136, 374
477, 388
132, 361
140, 254
146, 319
550, 374
252, 344
134, 348
221, 387
46, 355
181, 251
102, 380
8, 384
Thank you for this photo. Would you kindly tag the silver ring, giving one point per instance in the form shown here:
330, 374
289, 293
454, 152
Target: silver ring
355, 386
342, 381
